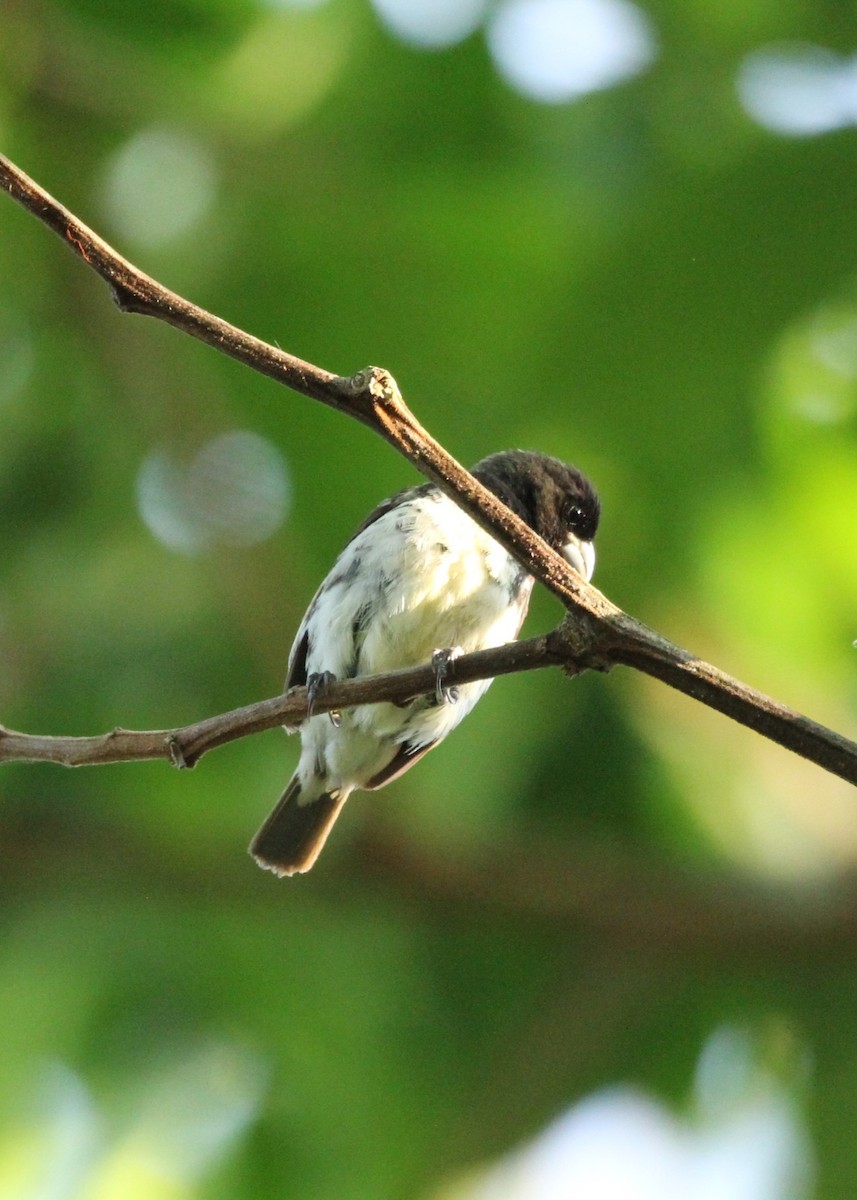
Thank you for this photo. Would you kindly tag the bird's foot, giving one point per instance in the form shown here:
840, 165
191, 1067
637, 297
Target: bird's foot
440, 661
316, 685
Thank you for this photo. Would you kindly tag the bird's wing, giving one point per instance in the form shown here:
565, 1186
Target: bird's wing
403, 760
297, 675
297, 672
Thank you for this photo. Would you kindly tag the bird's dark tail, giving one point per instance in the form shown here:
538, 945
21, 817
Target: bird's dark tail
291, 838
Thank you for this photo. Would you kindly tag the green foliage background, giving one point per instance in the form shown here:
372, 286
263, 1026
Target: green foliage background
591, 876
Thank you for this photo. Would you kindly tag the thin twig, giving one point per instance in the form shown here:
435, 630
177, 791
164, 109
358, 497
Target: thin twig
597, 633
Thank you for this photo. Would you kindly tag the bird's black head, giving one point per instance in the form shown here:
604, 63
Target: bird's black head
555, 500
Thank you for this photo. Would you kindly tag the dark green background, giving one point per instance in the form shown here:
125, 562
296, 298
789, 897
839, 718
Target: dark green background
591, 877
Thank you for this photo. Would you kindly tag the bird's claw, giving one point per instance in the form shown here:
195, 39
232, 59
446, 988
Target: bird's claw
440, 661
316, 685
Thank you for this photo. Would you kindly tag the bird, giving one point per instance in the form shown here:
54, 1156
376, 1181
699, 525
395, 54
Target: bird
418, 582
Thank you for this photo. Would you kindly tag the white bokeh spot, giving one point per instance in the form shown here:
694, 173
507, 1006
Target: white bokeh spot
745, 1140
158, 186
799, 90
557, 50
431, 24
18, 355
235, 491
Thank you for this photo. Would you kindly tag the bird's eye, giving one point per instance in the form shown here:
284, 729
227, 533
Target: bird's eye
573, 515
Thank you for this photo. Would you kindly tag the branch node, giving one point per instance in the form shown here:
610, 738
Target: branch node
579, 644
373, 396
373, 388
176, 753
124, 298
373, 382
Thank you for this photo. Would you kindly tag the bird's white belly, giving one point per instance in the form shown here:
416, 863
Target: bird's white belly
431, 580
446, 600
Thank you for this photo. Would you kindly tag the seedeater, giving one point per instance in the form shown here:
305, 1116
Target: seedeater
419, 581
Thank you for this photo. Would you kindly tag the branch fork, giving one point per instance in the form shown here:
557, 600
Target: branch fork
595, 635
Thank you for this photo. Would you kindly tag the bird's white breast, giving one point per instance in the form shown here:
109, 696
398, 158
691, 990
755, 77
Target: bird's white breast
421, 577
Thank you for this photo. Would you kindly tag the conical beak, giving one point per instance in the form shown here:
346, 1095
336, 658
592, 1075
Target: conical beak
580, 555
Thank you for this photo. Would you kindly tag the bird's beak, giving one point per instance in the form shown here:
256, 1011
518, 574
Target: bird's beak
580, 555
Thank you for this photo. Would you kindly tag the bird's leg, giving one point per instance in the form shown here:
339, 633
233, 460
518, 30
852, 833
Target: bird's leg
316, 685
440, 661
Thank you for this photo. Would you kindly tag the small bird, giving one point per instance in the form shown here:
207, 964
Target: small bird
419, 581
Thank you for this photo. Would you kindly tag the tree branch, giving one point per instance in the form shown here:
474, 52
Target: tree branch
596, 634
185, 746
